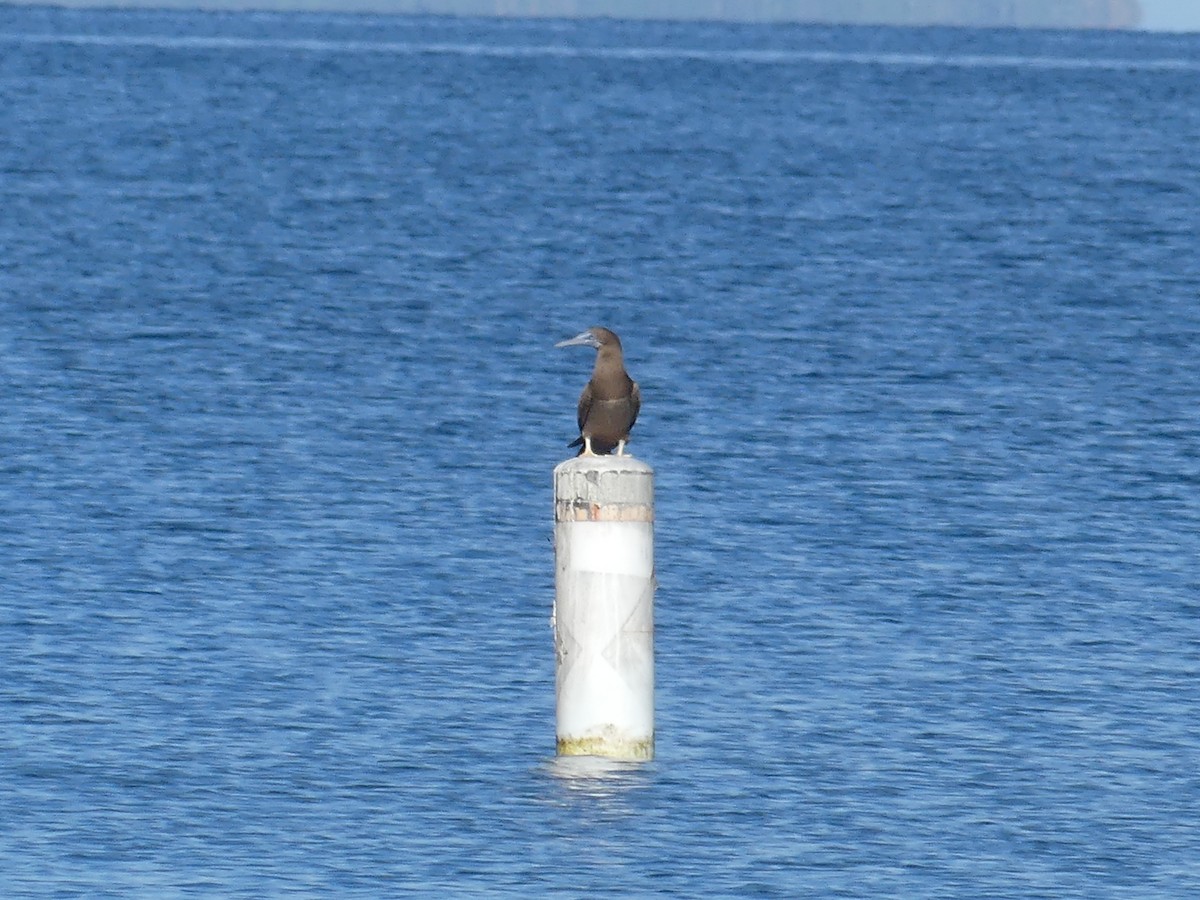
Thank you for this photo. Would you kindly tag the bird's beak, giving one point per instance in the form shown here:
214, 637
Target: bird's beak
586, 339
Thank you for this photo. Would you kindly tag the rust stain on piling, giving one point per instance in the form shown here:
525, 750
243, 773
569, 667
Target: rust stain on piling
589, 511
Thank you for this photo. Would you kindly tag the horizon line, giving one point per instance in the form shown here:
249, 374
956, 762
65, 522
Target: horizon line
631, 53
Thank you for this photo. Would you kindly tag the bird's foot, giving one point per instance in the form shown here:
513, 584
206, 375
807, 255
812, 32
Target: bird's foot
620, 448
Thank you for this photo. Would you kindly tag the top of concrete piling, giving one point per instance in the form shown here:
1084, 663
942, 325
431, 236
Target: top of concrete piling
603, 488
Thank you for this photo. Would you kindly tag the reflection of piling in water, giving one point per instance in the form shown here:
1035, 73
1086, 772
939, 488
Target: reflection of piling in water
604, 606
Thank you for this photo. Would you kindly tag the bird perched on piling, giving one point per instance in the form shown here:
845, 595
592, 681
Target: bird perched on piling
610, 401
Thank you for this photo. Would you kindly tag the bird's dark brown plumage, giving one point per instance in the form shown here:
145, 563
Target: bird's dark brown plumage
610, 401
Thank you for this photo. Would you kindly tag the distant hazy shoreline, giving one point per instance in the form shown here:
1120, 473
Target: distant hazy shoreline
979, 13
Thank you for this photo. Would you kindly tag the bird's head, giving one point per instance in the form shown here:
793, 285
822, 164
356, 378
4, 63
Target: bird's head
594, 337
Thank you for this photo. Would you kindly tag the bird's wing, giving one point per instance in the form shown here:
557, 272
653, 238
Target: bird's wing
635, 404
585, 405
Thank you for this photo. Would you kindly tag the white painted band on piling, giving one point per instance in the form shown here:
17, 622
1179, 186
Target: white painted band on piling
604, 606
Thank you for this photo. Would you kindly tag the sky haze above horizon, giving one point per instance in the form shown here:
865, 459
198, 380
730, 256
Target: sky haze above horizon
1158, 15
1171, 15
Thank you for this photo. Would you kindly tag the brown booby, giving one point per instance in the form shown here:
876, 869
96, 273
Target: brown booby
609, 404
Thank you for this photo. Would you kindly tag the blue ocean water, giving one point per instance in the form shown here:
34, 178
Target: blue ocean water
916, 318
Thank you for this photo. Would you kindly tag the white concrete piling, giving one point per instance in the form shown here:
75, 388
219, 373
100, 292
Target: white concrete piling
604, 607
